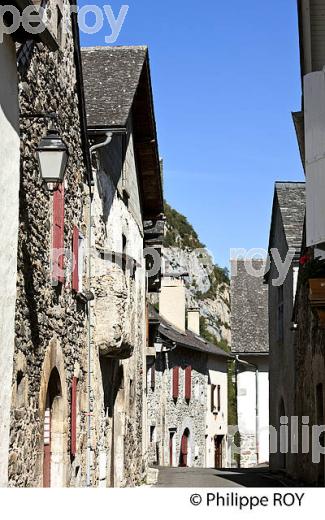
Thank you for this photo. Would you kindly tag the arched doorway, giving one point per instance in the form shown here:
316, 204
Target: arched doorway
54, 432
184, 455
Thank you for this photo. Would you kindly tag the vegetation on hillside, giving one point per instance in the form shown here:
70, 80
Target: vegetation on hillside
208, 336
180, 233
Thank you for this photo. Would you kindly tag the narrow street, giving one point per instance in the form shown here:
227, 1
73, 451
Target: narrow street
213, 478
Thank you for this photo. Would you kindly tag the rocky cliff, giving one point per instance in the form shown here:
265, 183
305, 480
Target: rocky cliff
207, 285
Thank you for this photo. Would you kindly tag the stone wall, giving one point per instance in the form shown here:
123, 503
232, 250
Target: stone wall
282, 353
310, 372
50, 323
168, 414
118, 317
9, 205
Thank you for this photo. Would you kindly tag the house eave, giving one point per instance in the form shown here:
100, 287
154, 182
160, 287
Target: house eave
21, 35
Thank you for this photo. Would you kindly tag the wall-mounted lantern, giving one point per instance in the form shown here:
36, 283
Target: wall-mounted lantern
52, 155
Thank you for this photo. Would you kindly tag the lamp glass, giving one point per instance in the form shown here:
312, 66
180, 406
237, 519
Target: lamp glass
52, 157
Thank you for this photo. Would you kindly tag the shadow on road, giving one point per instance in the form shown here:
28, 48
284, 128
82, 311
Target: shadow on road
251, 477
259, 477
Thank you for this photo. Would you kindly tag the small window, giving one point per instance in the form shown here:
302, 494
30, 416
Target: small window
152, 434
153, 377
219, 398
213, 389
124, 252
20, 389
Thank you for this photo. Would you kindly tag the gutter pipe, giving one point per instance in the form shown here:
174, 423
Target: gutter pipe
92, 150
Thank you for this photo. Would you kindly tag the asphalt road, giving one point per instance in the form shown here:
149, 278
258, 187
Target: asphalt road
213, 478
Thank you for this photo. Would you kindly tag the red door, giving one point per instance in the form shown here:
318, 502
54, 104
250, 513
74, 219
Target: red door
218, 451
184, 451
171, 450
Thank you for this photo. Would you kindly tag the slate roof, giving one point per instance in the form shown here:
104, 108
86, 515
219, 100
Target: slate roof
249, 308
186, 339
111, 79
291, 197
117, 85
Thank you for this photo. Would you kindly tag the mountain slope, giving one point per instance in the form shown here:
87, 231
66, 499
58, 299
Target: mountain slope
207, 285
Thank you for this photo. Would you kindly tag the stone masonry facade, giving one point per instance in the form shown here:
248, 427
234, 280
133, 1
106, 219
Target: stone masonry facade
50, 322
167, 415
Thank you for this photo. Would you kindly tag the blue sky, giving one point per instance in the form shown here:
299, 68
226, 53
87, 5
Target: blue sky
225, 78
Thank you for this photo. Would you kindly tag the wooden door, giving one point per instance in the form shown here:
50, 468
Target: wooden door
184, 451
218, 451
171, 435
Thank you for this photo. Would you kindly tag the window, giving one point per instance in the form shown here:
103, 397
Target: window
153, 377
213, 389
152, 434
175, 382
20, 389
188, 383
132, 391
58, 235
219, 398
280, 321
124, 247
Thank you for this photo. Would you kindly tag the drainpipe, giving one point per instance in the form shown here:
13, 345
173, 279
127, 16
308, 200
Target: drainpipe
257, 426
92, 150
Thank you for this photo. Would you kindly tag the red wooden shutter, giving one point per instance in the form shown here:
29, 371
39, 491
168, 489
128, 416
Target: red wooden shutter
74, 416
188, 383
58, 235
175, 382
213, 387
75, 252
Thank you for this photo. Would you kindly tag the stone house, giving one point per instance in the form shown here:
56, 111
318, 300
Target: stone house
187, 387
309, 304
249, 326
9, 210
286, 232
126, 210
48, 434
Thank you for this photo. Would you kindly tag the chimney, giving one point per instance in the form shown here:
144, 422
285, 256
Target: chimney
172, 302
193, 320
